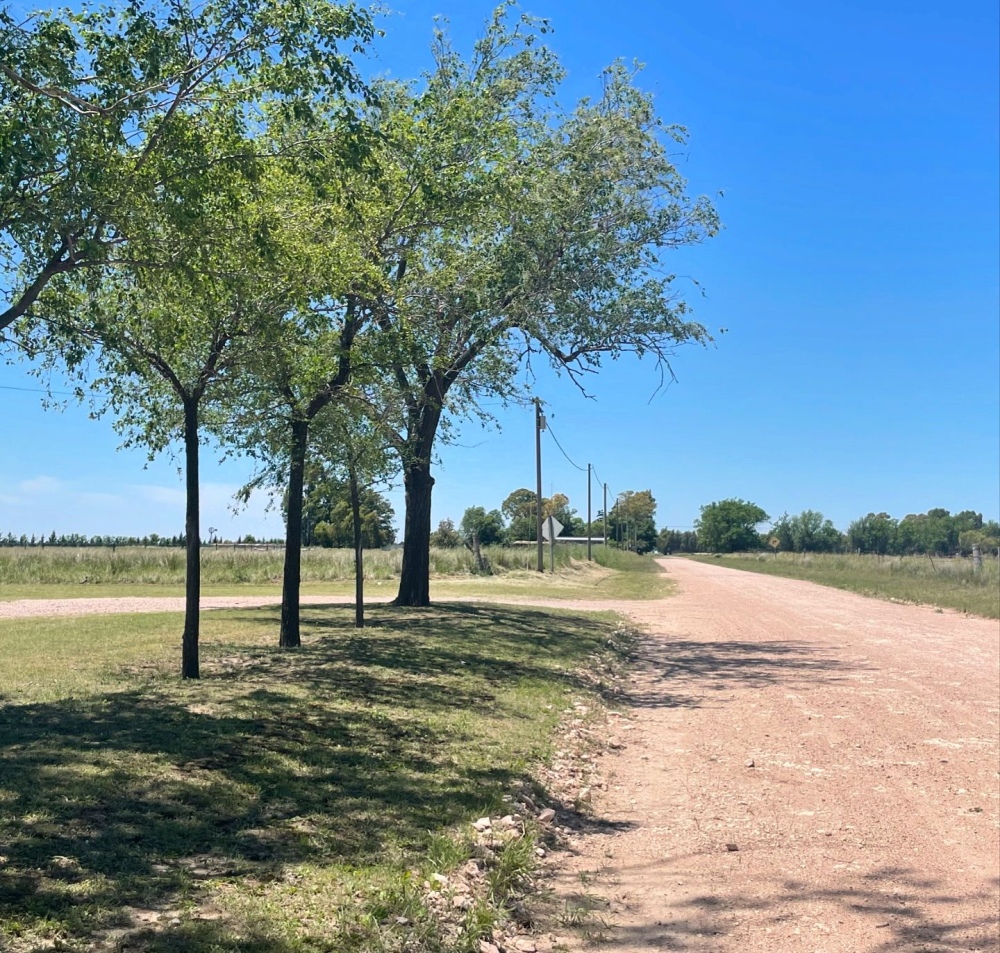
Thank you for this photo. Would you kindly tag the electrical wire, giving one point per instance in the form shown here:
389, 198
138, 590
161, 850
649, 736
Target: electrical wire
563, 452
38, 390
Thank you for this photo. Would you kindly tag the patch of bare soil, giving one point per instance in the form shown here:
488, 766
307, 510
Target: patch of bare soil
804, 769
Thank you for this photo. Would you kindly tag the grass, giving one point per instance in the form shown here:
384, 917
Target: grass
946, 583
291, 802
80, 573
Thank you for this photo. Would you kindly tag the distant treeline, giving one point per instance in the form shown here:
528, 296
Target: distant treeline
79, 541
733, 526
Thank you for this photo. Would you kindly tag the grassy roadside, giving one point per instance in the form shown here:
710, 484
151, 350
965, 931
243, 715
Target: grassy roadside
946, 583
289, 801
612, 575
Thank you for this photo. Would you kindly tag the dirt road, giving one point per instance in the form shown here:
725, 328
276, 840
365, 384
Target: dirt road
804, 769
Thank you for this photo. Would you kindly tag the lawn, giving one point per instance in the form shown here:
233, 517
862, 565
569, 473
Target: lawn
946, 583
290, 801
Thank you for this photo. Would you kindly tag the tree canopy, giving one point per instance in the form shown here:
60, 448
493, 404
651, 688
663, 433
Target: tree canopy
632, 521
89, 100
729, 526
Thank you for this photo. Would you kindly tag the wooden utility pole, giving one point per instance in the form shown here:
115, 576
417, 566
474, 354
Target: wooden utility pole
590, 557
605, 520
539, 427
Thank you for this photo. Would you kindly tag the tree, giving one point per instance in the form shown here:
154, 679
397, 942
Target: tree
729, 526
632, 521
489, 526
446, 536
519, 509
548, 241
166, 341
674, 541
91, 104
808, 532
329, 520
874, 533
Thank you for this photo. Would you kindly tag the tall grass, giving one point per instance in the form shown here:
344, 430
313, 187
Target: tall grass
159, 566
948, 583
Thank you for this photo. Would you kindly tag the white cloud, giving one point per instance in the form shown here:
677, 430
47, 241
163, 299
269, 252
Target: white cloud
161, 495
42, 485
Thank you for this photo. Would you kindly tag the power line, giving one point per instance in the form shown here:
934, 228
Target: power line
38, 390
563, 452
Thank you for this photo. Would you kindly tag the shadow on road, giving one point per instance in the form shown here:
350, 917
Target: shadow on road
900, 911
678, 672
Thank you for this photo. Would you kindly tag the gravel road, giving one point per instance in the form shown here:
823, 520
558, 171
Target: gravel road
804, 769
35, 608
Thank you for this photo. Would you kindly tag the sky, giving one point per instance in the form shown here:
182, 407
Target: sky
855, 147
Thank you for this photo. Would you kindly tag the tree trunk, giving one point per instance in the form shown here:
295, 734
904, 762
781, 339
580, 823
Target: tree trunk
414, 581
192, 530
290, 636
359, 553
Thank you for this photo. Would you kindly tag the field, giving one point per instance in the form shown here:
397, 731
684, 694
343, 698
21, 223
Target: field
946, 583
290, 801
136, 571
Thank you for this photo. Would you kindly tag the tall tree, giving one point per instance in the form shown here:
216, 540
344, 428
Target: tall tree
160, 344
808, 532
874, 533
548, 242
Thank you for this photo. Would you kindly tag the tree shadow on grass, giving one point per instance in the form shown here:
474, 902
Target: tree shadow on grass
335, 753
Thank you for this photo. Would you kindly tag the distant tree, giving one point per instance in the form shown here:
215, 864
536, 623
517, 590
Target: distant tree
488, 525
808, 532
446, 536
676, 541
968, 519
874, 533
730, 526
631, 521
558, 506
331, 519
519, 509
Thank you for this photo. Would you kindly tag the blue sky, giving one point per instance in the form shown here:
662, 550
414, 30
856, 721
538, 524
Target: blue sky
857, 148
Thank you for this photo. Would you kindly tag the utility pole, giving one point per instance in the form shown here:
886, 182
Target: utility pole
605, 520
539, 427
590, 557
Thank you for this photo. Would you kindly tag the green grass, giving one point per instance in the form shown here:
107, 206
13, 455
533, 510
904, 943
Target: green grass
289, 801
81, 573
946, 583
